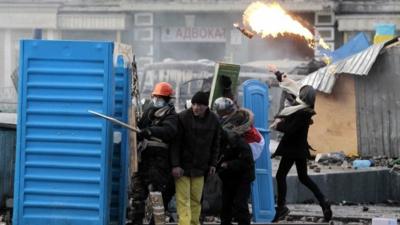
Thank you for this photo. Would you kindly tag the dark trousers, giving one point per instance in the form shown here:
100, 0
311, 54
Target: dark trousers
153, 172
235, 196
301, 166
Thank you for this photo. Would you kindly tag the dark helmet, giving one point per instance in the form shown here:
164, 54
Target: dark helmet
223, 106
307, 95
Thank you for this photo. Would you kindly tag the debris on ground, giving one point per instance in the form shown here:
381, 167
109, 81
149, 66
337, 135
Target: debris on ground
339, 159
317, 169
347, 203
395, 169
342, 214
394, 162
332, 157
391, 202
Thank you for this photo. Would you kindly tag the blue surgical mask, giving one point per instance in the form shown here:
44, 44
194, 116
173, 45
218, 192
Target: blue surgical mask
158, 102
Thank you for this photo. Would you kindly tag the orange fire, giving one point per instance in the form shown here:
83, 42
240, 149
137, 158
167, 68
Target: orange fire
270, 19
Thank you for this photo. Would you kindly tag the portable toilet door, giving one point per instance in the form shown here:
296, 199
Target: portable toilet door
120, 160
63, 159
256, 98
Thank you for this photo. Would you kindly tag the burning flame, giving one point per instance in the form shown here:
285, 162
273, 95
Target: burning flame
270, 19
323, 44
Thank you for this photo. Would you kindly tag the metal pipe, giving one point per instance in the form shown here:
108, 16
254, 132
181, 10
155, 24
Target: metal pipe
134, 129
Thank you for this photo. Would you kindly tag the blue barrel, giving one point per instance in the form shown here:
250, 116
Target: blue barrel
7, 163
63, 160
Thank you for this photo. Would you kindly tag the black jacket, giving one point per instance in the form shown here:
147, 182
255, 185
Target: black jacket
238, 155
197, 144
164, 126
295, 128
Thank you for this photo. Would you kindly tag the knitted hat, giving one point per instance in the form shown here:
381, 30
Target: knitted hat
200, 98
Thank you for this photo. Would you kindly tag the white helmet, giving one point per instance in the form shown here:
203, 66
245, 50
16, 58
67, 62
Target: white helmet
224, 106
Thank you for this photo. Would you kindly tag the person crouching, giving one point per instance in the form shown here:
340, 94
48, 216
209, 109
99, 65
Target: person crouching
236, 170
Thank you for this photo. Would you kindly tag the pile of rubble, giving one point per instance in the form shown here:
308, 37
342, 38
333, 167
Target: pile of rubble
339, 159
359, 214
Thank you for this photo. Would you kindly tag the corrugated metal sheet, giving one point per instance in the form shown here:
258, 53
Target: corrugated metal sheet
378, 107
359, 64
7, 163
63, 152
120, 162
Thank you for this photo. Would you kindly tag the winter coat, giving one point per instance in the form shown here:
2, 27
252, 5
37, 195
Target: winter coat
162, 124
239, 158
295, 127
197, 145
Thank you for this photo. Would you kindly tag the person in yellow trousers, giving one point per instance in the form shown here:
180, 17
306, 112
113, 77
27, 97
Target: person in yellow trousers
193, 155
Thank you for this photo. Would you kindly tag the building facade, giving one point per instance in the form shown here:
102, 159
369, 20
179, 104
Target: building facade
177, 29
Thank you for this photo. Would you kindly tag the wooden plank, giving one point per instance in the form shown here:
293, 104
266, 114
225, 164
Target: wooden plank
334, 127
378, 107
362, 125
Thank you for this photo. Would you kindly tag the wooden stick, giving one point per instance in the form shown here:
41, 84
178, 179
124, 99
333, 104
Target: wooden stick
132, 128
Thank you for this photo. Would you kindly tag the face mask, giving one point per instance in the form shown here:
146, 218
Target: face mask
158, 102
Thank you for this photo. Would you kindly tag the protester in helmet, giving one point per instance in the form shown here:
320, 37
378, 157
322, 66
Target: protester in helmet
236, 164
240, 121
158, 127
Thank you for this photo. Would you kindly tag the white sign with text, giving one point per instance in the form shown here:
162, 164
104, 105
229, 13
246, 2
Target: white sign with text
193, 34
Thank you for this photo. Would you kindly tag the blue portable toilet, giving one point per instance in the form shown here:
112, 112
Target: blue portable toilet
121, 153
63, 159
256, 98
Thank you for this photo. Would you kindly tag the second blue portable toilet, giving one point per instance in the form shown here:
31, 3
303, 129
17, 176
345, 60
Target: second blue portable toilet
120, 161
256, 98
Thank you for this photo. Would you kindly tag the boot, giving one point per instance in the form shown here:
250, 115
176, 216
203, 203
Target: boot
280, 213
326, 210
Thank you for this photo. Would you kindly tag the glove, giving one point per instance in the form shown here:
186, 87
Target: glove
143, 134
279, 75
177, 172
211, 170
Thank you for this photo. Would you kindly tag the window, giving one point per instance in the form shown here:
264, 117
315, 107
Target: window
327, 33
144, 34
324, 18
143, 19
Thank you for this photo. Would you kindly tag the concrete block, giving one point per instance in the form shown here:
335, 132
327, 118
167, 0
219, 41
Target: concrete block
372, 185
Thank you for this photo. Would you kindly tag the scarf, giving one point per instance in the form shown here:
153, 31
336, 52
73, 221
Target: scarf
292, 109
292, 87
252, 135
239, 121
